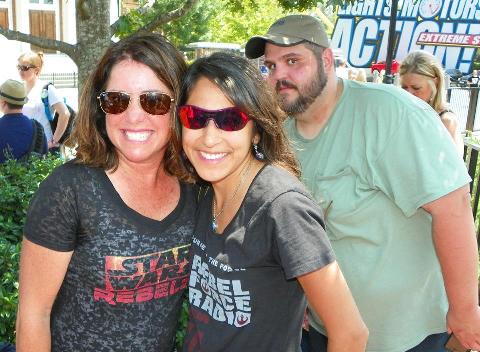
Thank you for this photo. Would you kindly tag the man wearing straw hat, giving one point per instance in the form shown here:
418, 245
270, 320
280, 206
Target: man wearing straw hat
19, 136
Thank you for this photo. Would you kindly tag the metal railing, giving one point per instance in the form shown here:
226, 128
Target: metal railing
61, 80
464, 102
471, 153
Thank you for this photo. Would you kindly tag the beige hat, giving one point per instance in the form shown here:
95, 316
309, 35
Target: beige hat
13, 92
288, 31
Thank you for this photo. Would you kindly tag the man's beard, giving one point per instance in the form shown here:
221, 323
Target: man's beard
306, 96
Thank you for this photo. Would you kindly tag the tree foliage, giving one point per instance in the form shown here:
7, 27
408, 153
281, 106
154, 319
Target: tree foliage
234, 21
236, 25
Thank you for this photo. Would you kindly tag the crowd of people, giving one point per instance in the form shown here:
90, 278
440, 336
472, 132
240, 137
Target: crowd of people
29, 112
258, 195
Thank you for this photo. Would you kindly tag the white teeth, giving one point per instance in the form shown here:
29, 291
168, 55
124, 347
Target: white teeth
137, 136
213, 156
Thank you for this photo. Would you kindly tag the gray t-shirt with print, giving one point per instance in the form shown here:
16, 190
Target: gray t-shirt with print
243, 291
123, 287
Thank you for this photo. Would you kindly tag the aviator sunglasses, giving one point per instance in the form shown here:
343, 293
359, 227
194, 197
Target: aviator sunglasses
152, 102
228, 119
24, 68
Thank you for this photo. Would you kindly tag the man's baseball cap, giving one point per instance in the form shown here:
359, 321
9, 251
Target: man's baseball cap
13, 92
288, 31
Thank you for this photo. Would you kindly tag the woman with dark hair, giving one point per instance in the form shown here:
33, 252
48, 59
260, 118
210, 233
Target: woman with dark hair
259, 241
104, 259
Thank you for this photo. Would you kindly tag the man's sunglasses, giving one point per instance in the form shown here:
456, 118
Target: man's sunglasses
24, 68
228, 119
153, 102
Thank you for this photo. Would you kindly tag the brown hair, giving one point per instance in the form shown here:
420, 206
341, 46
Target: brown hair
243, 85
89, 136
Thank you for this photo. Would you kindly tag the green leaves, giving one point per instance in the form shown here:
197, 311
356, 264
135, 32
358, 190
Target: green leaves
18, 183
9, 259
233, 21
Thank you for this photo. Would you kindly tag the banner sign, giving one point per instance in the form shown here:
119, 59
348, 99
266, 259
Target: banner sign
448, 29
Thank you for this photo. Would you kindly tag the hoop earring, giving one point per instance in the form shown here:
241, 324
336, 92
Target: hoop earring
257, 153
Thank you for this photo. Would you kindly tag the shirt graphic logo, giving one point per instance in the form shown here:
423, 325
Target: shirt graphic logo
143, 278
223, 300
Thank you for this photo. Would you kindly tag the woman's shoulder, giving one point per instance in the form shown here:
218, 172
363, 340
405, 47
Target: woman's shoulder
71, 174
273, 181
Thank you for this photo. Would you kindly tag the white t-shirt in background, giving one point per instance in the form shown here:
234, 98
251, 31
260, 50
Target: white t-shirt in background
35, 109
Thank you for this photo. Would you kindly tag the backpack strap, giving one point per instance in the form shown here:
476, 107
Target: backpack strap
34, 138
46, 104
37, 144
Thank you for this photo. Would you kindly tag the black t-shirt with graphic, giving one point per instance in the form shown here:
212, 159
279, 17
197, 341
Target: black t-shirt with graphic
123, 287
243, 291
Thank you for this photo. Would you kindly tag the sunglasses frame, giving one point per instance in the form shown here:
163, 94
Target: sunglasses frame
130, 100
213, 116
25, 68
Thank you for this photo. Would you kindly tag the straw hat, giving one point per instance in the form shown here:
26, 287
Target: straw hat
13, 92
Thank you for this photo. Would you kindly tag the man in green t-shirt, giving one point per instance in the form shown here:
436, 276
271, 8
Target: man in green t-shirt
394, 192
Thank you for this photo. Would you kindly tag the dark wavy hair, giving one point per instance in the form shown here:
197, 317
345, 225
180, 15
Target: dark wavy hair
244, 86
89, 136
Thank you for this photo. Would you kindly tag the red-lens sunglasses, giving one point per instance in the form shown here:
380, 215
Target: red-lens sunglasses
153, 102
228, 119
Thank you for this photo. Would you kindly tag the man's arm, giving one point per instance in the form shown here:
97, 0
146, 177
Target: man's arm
455, 242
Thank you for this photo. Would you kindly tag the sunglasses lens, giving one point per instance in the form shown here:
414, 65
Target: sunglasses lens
191, 117
229, 119
24, 67
155, 103
114, 102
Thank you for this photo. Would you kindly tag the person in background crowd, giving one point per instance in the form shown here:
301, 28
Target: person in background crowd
104, 260
6, 347
341, 67
29, 67
259, 238
474, 79
422, 75
357, 74
17, 131
394, 192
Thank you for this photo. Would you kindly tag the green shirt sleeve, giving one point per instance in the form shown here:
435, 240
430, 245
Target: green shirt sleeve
416, 167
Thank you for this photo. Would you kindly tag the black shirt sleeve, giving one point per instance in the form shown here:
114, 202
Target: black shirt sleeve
301, 241
52, 215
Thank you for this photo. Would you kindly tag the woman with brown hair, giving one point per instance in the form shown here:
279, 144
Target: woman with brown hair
259, 242
104, 259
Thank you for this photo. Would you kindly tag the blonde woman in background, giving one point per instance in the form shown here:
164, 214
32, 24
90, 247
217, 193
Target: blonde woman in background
361, 75
357, 74
29, 67
422, 75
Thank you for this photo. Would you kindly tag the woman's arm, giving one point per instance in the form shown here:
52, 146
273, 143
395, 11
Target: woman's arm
449, 120
41, 274
328, 294
63, 117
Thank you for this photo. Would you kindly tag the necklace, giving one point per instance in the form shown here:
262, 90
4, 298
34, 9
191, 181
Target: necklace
216, 215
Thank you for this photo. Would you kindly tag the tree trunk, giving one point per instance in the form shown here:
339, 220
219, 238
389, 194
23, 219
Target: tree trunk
93, 36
